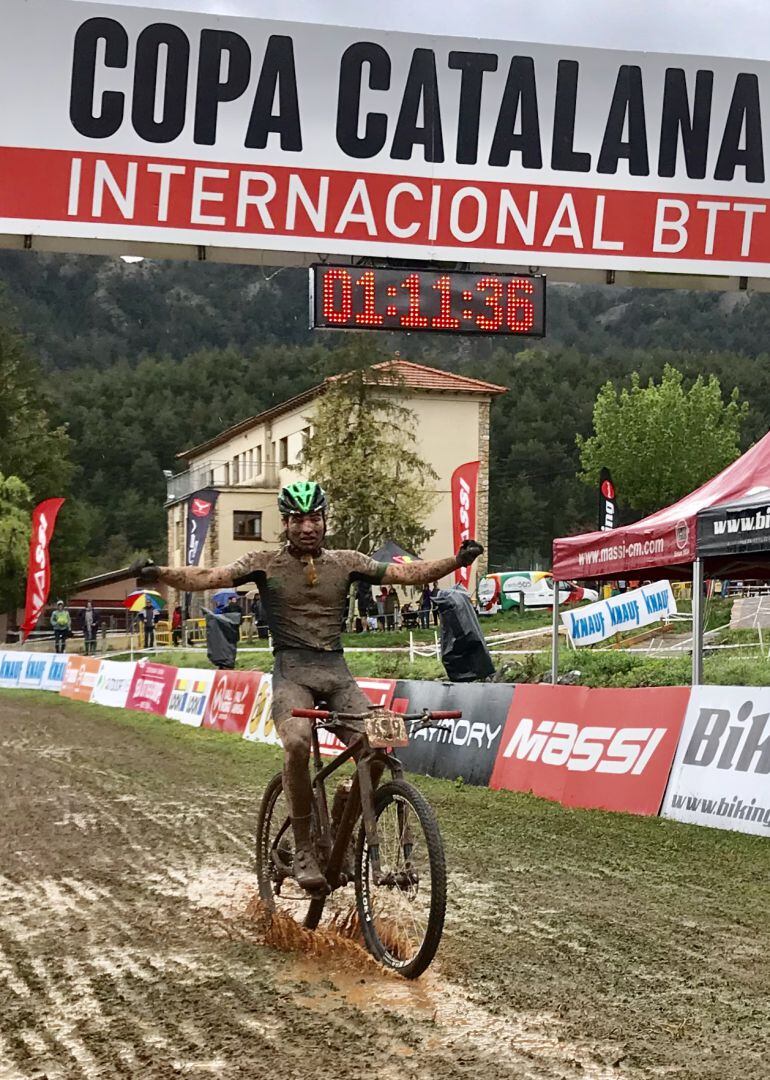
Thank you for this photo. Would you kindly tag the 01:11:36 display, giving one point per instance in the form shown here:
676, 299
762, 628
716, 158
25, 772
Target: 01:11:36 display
385, 299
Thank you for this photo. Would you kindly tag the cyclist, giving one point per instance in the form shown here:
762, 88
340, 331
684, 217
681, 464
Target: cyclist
304, 591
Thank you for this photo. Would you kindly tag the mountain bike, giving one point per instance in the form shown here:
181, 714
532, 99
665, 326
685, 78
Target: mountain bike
399, 870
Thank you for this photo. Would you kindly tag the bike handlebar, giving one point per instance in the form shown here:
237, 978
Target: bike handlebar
452, 714
311, 714
324, 714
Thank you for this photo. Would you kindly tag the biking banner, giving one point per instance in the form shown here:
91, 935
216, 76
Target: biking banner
606, 749
80, 677
114, 683
464, 748
189, 695
200, 508
231, 700
608, 507
463, 485
151, 687
39, 567
721, 773
627, 611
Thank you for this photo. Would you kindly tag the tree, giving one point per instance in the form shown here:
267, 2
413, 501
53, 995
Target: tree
15, 503
363, 452
661, 441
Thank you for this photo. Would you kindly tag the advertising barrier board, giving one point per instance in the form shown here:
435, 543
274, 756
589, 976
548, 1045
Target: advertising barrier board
11, 667
231, 700
627, 611
34, 670
466, 747
601, 749
151, 687
122, 123
80, 677
114, 683
53, 677
721, 773
190, 695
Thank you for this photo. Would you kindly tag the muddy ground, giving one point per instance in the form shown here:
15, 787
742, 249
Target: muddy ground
578, 945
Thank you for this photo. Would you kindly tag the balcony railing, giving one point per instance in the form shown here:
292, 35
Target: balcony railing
218, 474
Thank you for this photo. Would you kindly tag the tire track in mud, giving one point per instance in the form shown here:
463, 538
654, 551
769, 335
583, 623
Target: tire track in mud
127, 948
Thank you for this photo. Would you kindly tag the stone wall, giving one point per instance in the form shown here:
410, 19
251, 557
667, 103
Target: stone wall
482, 496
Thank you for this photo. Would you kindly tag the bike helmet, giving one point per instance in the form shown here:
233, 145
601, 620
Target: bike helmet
304, 497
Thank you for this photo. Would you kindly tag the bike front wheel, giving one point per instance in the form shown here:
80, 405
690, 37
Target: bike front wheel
402, 913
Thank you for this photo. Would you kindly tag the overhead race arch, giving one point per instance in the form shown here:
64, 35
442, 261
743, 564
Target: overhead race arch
180, 133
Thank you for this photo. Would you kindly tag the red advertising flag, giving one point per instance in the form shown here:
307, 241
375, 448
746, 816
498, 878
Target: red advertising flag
464, 482
605, 749
39, 570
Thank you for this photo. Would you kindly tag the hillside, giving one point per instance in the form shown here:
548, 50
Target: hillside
145, 358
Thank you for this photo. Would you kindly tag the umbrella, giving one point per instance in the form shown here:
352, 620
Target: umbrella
223, 595
137, 600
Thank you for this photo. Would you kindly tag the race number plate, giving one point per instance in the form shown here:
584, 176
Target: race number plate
386, 728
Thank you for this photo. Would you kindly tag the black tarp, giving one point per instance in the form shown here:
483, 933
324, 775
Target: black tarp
393, 552
464, 652
739, 528
222, 634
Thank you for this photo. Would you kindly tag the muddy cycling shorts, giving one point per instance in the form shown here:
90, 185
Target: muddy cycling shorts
303, 677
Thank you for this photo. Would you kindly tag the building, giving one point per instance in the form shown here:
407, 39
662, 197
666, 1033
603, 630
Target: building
249, 462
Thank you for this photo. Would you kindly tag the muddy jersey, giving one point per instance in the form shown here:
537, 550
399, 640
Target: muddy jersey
303, 615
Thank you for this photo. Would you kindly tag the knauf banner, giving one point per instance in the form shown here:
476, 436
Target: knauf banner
721, 773
189, 696
53, 677
11, 665
627, 611
113, 683
34, 670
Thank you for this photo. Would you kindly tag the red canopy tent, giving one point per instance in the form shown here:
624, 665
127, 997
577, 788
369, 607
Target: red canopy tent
663, 544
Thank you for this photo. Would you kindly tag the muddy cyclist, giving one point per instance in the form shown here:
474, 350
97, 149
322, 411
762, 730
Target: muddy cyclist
304, 591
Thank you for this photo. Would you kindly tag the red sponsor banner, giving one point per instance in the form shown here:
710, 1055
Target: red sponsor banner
39, 569
80, 677
231, 700
151, 687
464, 480
379, 692
601, 749
638, 229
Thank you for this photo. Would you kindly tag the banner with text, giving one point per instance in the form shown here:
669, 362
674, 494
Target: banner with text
190, 695
114, 683
39, 565
602, 749
721, 773
151, 687
464, 483
121, 123
627, 611
80, 677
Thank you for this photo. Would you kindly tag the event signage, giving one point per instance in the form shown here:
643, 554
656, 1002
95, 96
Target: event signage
11, 667
189, 695
444, 301
34, 670
186, 128
54, 672
80, 677
463, 486
721, 773
39, 566
466, 748
114, 683
151, 687
200, 507
231, 700
603, 749
260, 726
608, 507
626, 611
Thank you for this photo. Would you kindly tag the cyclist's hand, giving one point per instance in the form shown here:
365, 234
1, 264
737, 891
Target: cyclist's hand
145, 571
469, 552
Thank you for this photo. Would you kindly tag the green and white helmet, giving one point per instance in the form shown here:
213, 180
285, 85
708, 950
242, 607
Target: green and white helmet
304, 497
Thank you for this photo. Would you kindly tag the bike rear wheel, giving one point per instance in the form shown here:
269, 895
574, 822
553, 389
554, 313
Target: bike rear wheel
275, 856
402, 918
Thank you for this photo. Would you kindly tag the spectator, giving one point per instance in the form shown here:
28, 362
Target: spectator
90, 628
372, 619
177, 622
149, 624
382, 597
390, 605
62, 626
425, 606
433, 595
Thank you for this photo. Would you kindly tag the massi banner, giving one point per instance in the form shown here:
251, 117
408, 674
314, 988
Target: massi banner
464, 482
608, 507
188, 129
626, 611
721, 772
39, 565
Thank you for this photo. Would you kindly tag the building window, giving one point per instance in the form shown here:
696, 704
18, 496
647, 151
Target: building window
236, 470
227, 474
247, 524
258, 469
178, 534
283, 453
251, 465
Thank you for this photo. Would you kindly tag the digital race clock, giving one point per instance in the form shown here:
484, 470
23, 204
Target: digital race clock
382, 298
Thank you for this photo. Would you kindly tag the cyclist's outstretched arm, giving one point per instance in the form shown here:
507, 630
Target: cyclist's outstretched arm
422, 573
184, 578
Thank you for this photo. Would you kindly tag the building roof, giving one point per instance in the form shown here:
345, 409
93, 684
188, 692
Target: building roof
390, 372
